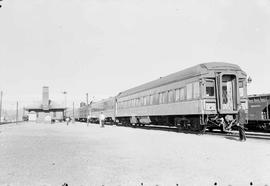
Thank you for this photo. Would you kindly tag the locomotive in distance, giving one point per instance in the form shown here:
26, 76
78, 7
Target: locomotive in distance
203, 96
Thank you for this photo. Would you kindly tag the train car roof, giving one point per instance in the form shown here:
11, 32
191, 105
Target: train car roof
181, 75
258, 95
103, 100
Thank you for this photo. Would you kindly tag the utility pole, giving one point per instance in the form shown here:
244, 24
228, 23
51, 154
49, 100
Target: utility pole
1, 106
65, 94
86, 98
17, 112
90, 106
73, 118
87, 110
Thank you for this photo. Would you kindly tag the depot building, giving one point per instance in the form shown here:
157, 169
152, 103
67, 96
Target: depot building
46, 110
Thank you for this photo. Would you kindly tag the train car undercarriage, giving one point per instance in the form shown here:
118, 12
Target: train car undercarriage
194, 123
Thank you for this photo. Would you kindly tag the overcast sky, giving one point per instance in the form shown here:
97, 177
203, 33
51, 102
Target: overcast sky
106, 46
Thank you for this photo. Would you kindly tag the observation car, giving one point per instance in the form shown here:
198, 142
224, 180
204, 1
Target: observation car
206, 95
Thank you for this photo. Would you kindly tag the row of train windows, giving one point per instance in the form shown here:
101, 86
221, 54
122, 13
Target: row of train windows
191, 91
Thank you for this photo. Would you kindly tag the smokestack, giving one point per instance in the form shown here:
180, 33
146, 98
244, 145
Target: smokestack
45, 98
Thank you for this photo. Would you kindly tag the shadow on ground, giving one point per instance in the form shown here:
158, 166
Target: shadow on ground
232, 138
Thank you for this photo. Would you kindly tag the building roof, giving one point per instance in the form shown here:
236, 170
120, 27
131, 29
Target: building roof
52, 106
181, 75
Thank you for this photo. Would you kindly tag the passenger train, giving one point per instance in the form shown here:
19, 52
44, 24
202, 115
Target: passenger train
199, 97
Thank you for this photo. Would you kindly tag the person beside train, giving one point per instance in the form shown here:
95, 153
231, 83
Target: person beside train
88, 119
67, 120
241, 121
101, 119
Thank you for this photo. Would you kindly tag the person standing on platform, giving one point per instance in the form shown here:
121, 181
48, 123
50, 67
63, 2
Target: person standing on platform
101, 119
67, 120
241, 121
88, 120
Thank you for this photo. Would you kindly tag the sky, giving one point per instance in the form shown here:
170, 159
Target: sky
103, 47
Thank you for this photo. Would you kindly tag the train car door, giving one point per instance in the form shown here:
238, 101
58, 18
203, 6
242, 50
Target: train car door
227, 92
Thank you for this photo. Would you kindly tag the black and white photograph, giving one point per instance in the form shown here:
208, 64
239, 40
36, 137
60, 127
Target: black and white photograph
134, 93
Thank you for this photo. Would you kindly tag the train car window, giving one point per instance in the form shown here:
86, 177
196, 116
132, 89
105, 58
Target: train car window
136, 102
189, 91
164, 97
257, 99
241, 89
118, 105
147, 100
196, 90
177, 94
170, 96
151, 99
182, 94
131, 102
156, 98
144, 100
141, 101
160, 98
210, 88
263, 99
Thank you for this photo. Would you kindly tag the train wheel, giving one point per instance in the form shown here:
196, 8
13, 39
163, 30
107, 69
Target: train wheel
203, 128
179, 128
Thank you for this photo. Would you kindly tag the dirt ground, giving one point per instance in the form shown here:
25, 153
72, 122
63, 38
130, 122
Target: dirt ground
44, 154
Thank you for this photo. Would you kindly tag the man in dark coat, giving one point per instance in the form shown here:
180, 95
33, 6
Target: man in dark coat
241, 121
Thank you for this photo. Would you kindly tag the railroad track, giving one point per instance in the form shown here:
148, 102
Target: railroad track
234, 133
253, 135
